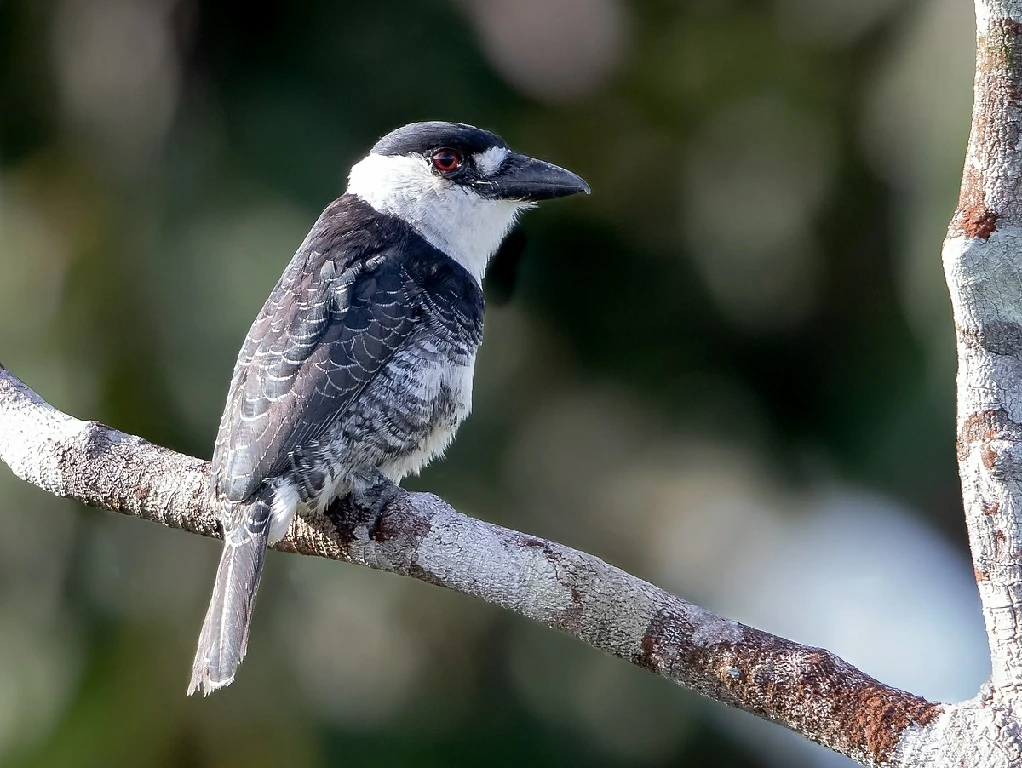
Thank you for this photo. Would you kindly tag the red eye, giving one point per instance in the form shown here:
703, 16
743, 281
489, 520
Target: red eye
446, 160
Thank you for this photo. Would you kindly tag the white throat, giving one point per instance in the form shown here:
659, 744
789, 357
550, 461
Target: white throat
450, 217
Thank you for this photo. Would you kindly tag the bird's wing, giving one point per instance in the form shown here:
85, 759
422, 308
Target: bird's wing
325, 331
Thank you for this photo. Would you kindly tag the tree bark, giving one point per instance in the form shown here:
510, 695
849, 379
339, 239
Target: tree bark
983, 267
417, 534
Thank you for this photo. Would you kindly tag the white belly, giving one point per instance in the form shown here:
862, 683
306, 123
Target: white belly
434, 381
437, 398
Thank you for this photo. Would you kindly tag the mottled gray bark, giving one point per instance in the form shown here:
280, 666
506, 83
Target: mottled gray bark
417, 534
983, 267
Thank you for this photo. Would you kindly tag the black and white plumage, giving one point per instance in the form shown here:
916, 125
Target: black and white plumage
359, 365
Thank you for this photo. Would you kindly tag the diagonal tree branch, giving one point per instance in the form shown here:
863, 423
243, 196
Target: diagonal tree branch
416, 534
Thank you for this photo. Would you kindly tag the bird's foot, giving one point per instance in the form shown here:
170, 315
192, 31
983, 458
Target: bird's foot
370, 496
376, 494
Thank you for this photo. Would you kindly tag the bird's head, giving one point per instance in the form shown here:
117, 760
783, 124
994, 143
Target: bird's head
460, 187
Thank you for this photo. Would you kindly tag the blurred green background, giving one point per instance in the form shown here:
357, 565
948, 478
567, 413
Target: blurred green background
730, 370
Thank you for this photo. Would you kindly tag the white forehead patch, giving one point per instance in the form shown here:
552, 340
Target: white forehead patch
489, 162
451, 218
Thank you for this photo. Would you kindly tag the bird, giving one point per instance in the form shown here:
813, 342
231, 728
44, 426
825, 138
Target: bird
358, 369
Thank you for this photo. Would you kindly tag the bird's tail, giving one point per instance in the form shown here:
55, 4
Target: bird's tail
224, 635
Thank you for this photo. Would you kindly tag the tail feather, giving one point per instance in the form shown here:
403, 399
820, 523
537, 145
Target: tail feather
224, 635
